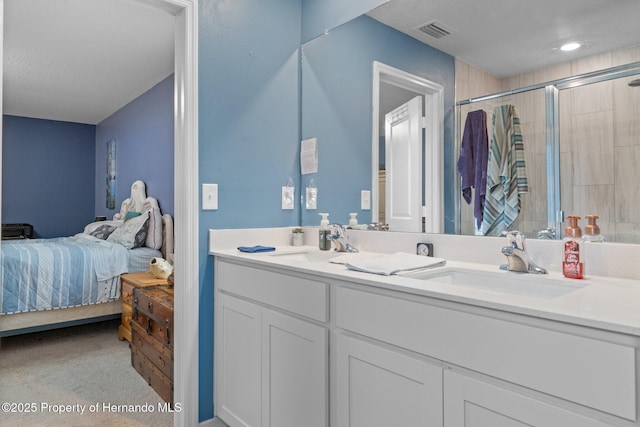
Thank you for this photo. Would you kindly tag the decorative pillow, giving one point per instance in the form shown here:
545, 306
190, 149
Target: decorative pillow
154, 235
103, 231
90, 228
130, 215
133, 233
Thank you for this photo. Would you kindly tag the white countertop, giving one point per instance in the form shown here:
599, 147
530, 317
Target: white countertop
611, 304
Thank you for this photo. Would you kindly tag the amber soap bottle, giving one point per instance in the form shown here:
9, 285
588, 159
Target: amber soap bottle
572, 263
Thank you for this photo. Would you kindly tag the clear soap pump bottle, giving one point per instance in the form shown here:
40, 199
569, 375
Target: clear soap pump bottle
592, 230
324, 242
353, 221
572, 263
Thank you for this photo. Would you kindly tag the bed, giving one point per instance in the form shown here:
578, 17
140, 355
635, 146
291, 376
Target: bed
51, 283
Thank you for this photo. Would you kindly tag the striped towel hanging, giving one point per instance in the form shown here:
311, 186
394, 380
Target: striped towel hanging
506, 172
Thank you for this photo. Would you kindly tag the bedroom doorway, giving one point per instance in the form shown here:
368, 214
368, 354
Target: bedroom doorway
185, 197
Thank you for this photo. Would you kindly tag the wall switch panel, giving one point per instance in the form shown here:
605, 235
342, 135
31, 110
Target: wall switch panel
312, 198
287, 197
209, 197
365, 200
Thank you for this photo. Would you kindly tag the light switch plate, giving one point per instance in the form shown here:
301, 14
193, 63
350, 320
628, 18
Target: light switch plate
209, 196
312, 198
365, 200
287, 197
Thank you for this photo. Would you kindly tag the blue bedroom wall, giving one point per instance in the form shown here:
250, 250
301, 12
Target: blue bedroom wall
248, 131
143, 131
47, 175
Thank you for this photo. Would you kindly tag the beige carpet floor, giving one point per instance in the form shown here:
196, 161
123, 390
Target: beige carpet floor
73, 369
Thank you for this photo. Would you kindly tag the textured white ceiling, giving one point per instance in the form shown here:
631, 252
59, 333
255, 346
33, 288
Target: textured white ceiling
82, 60
508, 37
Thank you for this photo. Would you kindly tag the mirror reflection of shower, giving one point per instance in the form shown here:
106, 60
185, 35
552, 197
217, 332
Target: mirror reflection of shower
581, 138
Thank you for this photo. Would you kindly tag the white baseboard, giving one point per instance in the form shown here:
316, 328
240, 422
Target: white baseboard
212, 422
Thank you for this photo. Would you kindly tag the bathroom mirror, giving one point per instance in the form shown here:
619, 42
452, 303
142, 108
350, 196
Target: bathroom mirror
337, 91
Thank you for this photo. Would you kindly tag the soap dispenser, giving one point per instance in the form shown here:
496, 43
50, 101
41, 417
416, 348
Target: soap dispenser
353, 221
592, 230
572, 263
324, 242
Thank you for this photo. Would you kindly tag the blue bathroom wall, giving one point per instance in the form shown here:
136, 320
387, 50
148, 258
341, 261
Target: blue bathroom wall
144, 133
319, 16
47, 175
248, 133
337, 71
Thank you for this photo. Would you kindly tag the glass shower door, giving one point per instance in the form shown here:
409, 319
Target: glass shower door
599, 156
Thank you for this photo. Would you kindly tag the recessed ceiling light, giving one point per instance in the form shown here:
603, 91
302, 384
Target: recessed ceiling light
569, 47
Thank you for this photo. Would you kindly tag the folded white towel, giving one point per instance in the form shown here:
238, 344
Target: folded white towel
397, 263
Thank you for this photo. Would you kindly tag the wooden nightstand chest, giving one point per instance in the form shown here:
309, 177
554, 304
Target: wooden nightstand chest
128, 282
152, 337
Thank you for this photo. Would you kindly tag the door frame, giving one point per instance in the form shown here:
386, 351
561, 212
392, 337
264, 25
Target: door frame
185, 200
433, 170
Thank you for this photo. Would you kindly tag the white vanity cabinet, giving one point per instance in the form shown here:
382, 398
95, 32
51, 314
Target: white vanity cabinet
289, 340
380, 387
238, 361
472, 402
538, 372
271, 368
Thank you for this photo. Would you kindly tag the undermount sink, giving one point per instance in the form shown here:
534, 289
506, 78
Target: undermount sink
537, 286
318, 256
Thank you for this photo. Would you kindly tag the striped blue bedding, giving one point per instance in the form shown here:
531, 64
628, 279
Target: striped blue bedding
55, 273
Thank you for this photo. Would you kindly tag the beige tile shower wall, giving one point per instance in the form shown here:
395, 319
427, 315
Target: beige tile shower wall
599, 140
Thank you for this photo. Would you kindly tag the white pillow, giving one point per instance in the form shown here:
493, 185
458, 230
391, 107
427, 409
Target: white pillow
133, 233
154, 234
90, 228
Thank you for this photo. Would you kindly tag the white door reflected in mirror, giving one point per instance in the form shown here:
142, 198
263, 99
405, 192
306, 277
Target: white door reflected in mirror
410, 186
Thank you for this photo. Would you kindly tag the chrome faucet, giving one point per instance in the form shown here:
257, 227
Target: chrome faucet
517, 257
547, 233
339, 237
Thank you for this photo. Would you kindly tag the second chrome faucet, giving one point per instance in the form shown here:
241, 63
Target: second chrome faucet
517, 256
339, 237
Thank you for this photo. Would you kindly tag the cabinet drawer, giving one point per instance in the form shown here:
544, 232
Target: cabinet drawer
587, 371
306, 297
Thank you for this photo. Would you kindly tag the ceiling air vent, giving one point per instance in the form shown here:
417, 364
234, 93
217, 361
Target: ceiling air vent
435, 29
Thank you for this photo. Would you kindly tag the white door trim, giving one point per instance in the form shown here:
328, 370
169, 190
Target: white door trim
434, 135
187, 265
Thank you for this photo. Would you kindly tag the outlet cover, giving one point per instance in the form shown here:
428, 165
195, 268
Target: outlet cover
365, 200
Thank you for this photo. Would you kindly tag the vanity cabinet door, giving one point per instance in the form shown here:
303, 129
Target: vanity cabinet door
295, 372
379, 387
271, 369
470, 402
238, 361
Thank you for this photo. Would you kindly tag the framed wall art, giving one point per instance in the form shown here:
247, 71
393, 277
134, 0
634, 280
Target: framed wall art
111, 174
